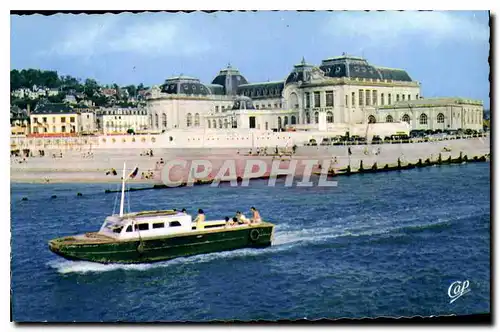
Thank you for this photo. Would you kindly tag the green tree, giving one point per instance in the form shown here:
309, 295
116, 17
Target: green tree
90, 87
132, 90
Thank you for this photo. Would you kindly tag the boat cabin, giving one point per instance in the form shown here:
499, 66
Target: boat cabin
152, 224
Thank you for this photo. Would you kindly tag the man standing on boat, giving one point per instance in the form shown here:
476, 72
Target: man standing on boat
200, 219
256, 215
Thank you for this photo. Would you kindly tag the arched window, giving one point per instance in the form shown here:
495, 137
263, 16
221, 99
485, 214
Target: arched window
156, 121
226, 123
164, 120
189, 120
423, 119
209, 124
267, 126
308, 118
440, 118
389, 118
285, 122
197, 120
371, 119
293, 120
107, 125
220, 123
214, 123
329, 117
151, 120
279, 122
316, 117
406, 118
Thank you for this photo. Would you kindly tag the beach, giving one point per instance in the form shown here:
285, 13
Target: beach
79, 166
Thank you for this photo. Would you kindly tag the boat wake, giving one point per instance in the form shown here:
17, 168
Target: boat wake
285, 240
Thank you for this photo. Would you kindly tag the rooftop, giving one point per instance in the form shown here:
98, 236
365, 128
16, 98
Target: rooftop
53, 108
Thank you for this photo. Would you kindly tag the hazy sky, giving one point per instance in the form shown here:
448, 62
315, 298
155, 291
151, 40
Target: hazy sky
446, 51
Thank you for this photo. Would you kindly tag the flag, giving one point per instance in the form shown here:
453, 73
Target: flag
134, 173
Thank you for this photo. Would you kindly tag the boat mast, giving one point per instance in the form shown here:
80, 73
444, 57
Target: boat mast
123, 192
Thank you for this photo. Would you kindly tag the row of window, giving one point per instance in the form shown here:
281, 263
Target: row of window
329, 117
123, 112
293, 120
112, 124
189, 120
124, 140
222, 108
329, 101
227, 124
46, 130
370, 98
261, 92
155, 225
63, 119
365, 98
423, 118
269, 106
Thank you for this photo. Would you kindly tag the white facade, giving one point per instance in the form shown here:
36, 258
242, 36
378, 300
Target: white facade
170, 112
87, 122
342, 90
120, 120
436, 113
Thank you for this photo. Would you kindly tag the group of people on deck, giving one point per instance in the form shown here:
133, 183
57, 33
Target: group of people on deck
238, 219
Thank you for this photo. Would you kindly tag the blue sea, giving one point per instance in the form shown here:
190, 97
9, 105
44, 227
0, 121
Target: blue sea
387, 244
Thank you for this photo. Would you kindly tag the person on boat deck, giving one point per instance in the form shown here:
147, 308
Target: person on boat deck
184, 211
256, 215
229, 222
200, 219
241, 218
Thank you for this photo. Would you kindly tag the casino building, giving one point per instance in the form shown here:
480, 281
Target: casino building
341, 92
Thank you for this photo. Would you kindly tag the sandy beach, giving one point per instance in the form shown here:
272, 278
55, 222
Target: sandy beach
75, 167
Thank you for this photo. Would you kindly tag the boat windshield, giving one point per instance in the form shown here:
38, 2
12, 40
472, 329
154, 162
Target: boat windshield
113, 227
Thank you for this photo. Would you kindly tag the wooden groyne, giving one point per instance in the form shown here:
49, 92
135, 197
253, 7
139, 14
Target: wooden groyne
375, 168
362, 169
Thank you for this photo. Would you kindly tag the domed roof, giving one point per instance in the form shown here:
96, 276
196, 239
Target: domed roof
184, 85
262, 90
230, 78
301, 72
357, 67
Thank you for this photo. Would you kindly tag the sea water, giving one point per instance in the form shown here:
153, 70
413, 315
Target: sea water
387, 244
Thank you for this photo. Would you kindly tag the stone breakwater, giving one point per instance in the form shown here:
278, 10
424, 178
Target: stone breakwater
80, 166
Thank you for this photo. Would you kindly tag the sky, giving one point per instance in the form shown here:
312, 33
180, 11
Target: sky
447, 51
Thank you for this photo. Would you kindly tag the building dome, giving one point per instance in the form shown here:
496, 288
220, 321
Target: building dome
230, 79
357, 67
184, 85
301, 72
243, 103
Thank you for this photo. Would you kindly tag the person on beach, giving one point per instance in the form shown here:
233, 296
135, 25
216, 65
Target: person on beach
256, 215
200, 219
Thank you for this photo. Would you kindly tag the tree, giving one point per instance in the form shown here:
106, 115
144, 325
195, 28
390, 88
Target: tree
132, 90
57, 98
90, 87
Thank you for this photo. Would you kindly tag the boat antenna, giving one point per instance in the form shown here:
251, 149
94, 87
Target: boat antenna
123, 192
